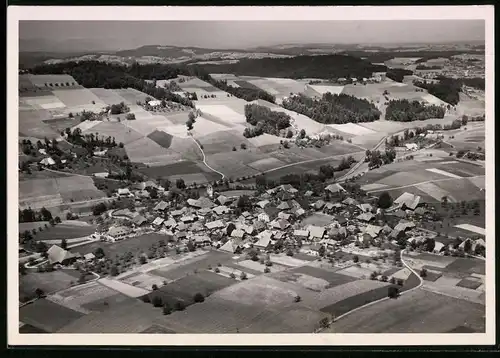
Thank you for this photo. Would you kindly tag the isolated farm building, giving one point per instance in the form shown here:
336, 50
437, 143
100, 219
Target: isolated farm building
408, 201
284, 216
118, 232
154, 103
365, 207
263, 203
217, 224
139, 220
170, 223
411, 146
263, 217
318, 205
301, 234
335, 188
89, 257
438, 247
316, 232
48, 161
158, 221
124, 192
366, 217
221, 209
57, 255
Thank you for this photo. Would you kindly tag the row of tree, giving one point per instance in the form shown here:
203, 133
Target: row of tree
29, 215
376, 159
403, 110
333, 109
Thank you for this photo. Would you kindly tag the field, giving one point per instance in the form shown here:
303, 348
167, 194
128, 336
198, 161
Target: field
116, 130
180, 168
31, 124
108, 96
46, 281
419, 311
134, 245
47, 315
318, 219
79, 98
145, 150
60, 231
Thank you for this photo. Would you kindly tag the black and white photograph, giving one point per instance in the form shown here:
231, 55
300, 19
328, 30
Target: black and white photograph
201, 176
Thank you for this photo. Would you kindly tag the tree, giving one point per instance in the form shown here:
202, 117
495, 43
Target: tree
166, 309
189, 125
99, 253
39, 293
191, 117
243, 275
321, 251
130, 117
64, 244
198, 297
423, 273
302, 133
297, 298
114, 271
179, 306
230, 229
289, 134
392, 292
99, 209
143, 260
355, 259
392, 281
157, 301
324, 323
243, 146
444, 202
180, 184
154, 287
234, 149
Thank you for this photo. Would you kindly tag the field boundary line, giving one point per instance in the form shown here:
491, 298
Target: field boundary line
424, 182
384, 298
205, 159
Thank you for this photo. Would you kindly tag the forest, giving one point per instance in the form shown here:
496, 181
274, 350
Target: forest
333, 109
447, 89
264, 120
398, 74
403, 110
322, 66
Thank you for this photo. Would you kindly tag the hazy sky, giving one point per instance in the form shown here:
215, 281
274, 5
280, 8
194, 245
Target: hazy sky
112, 35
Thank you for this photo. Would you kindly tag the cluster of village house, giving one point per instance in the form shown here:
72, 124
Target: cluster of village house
275, 217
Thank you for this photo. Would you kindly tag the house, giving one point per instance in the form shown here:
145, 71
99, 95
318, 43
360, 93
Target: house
158, 221
217, 224
284, 206
298, 212
350, 202
259, 225
278, 235
263, 243
342, 221
237, 233
202, 240
373, 230
42, 151
280, 224
118, 233
48, 161
89, 257
58, 255
161, 206
438, 247
188, 219
263, 217
221, 209
231, 246
139, 220
223, 200
386, 229
266, 234
335, 188
154, 103
308, 193
366, 217
288, 188
194, 203
318, 205
124, 192
176, 213
411, 146
301, 234
271, 211
316, 233
408, 201
248, 229
404, 225
180, 235
150, 184
284, 216
314, 249
263, 203
204, 211
170, 223
181, 226
365, 207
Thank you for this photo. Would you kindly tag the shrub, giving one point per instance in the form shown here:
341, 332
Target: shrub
267, 270
179, 306
217, 270
167, 309
243, 276
154, 287
393, 292
355, 259
423, 273
232, 275
198, 297
297, 298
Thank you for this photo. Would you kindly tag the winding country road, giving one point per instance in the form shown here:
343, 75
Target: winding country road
205, 159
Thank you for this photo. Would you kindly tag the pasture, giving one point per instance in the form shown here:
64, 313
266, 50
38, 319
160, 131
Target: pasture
179, 168
46, 281
60, 231
116, 130
132, 96
145, 150
81, 98
108, 96
47, 315
31, 124
419, 311
222, 112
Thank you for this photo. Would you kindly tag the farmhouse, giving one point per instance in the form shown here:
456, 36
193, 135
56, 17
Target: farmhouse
301, 234
334, 188
124, 192
263, 243
231, 246
408, 201
366, 217
154, 103
139, 220
411, 146
217, 224
438, 247
58, 255
158, 221
263, 203
316, 232
222, 209
161, 206
118, 233
170, 223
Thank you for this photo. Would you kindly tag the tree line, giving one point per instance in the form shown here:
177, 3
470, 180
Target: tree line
264, 120
398, 74
446, 89
333, 109
403, 110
